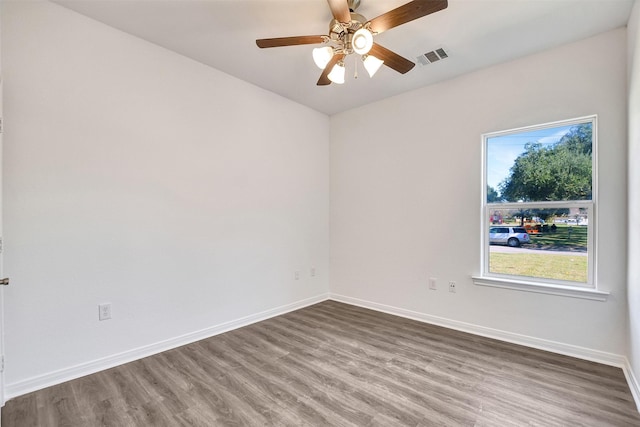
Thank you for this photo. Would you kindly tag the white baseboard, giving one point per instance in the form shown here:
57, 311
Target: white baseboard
634, 386
541, 344
73, 372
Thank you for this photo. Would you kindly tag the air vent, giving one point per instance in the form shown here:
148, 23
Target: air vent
441, 53
432, 56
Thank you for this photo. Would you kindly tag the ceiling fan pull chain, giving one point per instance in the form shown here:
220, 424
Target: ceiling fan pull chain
355, 73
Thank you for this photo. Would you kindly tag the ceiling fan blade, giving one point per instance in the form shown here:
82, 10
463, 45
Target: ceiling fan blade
391, 59
290, 41
324, 77
340, 10
405, 13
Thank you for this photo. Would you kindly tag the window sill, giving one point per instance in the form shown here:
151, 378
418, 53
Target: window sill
543, 288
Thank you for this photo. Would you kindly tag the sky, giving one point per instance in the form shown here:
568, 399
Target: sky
503, 150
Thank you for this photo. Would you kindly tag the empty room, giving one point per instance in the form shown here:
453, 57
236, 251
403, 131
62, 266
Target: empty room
320, 212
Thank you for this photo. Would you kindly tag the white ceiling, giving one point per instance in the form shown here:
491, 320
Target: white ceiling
476, 33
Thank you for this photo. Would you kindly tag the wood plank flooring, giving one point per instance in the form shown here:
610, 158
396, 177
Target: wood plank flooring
333, 364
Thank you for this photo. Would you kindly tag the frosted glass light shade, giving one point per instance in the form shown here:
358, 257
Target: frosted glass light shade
322, 56
362, 41
372, 64
337, 74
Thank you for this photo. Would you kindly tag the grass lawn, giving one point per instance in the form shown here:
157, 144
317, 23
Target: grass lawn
566, 238
546, 265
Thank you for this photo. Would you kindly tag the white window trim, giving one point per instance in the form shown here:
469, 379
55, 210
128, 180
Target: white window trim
539, 285
541, 288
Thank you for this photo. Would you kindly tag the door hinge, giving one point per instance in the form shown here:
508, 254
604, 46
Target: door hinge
2, 363
1, 245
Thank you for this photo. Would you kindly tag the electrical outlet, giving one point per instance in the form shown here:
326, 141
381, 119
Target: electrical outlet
433, 283
104, 311
312, 271
296, 275
452, 286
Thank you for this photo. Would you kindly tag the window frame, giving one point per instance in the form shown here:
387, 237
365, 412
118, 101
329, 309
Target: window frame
537, 284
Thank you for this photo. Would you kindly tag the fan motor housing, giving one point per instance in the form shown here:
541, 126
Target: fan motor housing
338, 30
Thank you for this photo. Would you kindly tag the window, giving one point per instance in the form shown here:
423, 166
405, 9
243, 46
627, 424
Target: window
538, 208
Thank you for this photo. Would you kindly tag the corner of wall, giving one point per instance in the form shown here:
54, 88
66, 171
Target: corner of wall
633, 215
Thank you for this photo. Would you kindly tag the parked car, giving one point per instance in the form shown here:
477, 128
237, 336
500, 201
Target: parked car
512, 236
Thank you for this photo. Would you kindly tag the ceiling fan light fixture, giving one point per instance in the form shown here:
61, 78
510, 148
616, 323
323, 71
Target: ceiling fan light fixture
322, 56
362, 41
337, 73
372, 64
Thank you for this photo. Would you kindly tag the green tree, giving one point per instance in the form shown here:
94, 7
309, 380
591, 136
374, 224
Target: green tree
492, 195
559, 172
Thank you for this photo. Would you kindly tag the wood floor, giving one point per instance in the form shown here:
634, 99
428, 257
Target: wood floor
332, 364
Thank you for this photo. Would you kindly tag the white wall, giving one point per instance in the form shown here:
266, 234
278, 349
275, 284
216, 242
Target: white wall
633, 278
132, 175
405, 194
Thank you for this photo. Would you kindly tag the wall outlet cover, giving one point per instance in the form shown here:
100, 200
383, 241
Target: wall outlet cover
104, 311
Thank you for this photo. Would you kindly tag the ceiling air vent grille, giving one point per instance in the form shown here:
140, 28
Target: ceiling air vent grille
432, 56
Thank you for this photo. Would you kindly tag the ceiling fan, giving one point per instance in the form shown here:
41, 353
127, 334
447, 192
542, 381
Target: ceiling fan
350, 32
